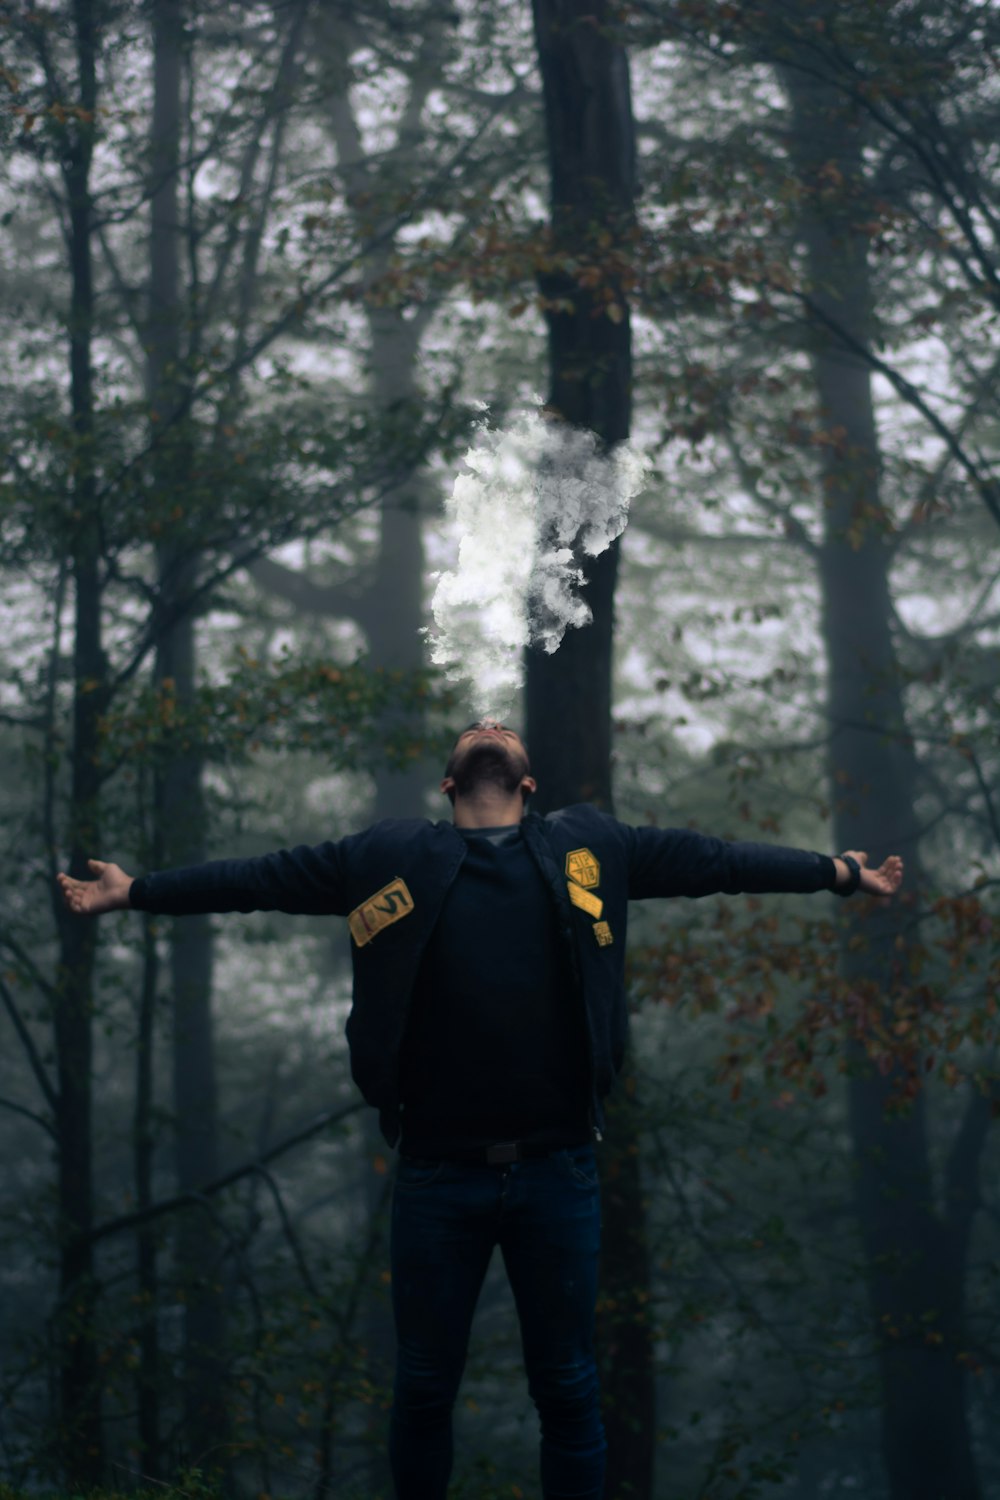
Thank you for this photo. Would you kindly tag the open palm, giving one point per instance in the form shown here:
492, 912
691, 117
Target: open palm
885, 881
107, 892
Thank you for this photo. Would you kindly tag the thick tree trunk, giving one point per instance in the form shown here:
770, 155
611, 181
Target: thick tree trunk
588, 119
568, 695
180, 811
915, 1259
81, 1441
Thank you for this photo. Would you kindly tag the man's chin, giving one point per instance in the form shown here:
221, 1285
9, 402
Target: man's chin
488, 765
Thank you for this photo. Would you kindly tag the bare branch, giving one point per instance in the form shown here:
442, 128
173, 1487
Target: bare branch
290, 1235
275, 107
208, 1190
29, 1114
986, 489
294, 312
24, 958
34, 1060
127, 295
984, 788
331, 600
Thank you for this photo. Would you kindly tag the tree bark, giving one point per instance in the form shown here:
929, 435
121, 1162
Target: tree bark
393, 609
180, 813
147, 1382
915, 1258
589, 127
568, 696
80, 1433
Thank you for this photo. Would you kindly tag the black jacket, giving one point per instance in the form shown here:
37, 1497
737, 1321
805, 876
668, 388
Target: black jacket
391, 880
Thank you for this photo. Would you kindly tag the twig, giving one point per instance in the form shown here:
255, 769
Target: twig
29, 1114
986, 489
46, 986
290, 1235
34, 1060
207, 1190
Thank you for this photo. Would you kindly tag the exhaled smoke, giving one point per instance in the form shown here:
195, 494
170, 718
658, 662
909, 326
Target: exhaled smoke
537, 496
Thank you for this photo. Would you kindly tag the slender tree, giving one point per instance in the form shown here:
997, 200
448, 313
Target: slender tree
179, 807
81, 1437
916, 1257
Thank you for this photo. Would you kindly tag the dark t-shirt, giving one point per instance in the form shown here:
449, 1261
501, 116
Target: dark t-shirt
494, 1047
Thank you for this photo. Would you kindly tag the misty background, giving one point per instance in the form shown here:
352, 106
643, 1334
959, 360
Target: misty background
266, 271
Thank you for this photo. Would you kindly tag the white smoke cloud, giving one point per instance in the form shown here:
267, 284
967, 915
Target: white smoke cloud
537, 495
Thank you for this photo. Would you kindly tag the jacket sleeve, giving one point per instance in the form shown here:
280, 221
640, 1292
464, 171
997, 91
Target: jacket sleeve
680, 862
300, 880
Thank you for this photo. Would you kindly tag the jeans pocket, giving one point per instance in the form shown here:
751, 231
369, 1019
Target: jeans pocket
580, 1164
414, 1172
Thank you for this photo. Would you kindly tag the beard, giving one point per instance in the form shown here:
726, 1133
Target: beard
489, 763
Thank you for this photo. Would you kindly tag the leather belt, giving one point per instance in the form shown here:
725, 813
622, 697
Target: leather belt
501, 1154
508, 1151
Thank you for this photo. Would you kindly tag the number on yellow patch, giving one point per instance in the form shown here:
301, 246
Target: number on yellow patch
583, 867
603, 934
388, 905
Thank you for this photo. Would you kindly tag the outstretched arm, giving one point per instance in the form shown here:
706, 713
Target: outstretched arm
108, 892
681, 862
310, 880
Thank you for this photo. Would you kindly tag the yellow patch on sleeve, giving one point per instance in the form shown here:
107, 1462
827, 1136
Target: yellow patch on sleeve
388, 905
603, 934
585, 900
583, 867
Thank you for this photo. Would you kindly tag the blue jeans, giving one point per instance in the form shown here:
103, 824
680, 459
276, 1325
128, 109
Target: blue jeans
545, 1216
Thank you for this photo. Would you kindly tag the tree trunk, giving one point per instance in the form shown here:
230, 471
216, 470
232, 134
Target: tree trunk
915, 1259
394, 633
589, 128
392, 614
147, 1381
180, 811
568, 695
80, 1436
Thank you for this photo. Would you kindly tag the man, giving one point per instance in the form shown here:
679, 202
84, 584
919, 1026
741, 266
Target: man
488, 1022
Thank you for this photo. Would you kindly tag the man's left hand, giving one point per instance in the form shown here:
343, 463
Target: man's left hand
885, 881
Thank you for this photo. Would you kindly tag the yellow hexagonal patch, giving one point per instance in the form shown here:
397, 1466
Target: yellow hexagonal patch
583, 867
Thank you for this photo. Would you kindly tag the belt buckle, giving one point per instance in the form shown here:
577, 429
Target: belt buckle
503, 1153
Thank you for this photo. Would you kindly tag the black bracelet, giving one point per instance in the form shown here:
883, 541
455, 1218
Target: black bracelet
855, 880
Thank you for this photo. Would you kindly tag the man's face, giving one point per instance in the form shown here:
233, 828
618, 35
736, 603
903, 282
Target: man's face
487, 754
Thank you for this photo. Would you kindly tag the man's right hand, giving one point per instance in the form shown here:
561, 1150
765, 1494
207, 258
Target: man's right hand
107, 892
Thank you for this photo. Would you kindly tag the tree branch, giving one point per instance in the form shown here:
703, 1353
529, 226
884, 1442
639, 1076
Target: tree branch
290, 1235
34, 1060
46, 986
309, 597
285, 321
29, 1114
985, 488
208, 1190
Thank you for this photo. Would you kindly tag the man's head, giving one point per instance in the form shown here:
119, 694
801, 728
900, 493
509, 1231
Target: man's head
488, 758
